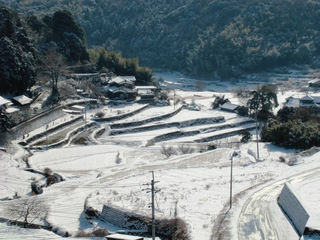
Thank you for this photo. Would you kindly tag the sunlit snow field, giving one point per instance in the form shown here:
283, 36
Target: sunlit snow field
194, 187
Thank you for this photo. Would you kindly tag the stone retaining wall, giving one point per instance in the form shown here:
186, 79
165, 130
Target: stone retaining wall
138, 123
67, 139
119, 117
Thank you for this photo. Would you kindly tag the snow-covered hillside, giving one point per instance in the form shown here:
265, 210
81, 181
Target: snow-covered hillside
194, 187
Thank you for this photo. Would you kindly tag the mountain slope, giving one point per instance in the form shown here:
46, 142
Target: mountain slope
230, 37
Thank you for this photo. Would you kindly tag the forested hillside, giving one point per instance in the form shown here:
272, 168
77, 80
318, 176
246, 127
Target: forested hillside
17, 54
200, 37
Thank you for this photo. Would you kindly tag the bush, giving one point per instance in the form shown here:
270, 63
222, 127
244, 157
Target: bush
90, 211
282, 159
245, 136
243, 111
293, 134
184, 149
51, 180
167, 151
99, 114
47, 172
219, 101
174, 229
211, 147
82, 233
100, 232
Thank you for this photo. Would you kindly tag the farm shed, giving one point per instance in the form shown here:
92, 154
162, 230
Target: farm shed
293, 208
229, 107
22, 100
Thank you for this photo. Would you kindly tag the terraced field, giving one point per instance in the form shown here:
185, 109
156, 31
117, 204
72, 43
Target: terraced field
142, 125
179, 126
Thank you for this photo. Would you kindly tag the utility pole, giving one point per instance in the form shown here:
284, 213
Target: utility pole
152, 206
233, 155
84, 111
47, 126
153, 191
257, 135
231, 182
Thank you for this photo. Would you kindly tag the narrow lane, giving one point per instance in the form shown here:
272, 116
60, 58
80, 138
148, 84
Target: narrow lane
262, 218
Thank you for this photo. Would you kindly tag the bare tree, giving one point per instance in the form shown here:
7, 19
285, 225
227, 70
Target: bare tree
47, 172
54, 64
28, 210
167, 151
243, 94
185, 149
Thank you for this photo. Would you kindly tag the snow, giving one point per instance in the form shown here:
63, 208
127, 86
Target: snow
194, 187
13, 232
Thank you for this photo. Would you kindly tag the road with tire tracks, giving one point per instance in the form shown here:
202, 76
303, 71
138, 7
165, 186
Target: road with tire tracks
262, 218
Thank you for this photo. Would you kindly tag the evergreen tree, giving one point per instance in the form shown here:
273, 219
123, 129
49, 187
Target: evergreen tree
17, 54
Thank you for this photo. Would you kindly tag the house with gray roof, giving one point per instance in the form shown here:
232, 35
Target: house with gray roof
22, 100
122, 87
230, 107
305, 101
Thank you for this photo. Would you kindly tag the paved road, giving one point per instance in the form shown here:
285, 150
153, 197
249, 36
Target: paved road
262, 218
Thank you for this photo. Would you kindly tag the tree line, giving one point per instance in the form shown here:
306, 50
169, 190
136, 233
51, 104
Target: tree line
228, 37
290, 127
31, 47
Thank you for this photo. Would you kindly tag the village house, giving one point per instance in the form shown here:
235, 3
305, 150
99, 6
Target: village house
146, 92
122, 87
9, 111
305, 101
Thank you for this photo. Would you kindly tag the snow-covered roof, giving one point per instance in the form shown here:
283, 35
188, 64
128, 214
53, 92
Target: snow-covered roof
145, 87
229, 106
123, 237
123, 79
12, 110
84, 75
307, 98
22, 99
127, 90
111, 89
130, 78
316, 99
296, 101
119, 89
118, 80
78, 107
4, 101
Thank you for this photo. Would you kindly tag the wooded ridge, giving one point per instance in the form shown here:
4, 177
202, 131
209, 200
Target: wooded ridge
199, 37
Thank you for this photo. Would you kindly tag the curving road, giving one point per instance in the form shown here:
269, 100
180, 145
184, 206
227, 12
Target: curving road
262, 218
